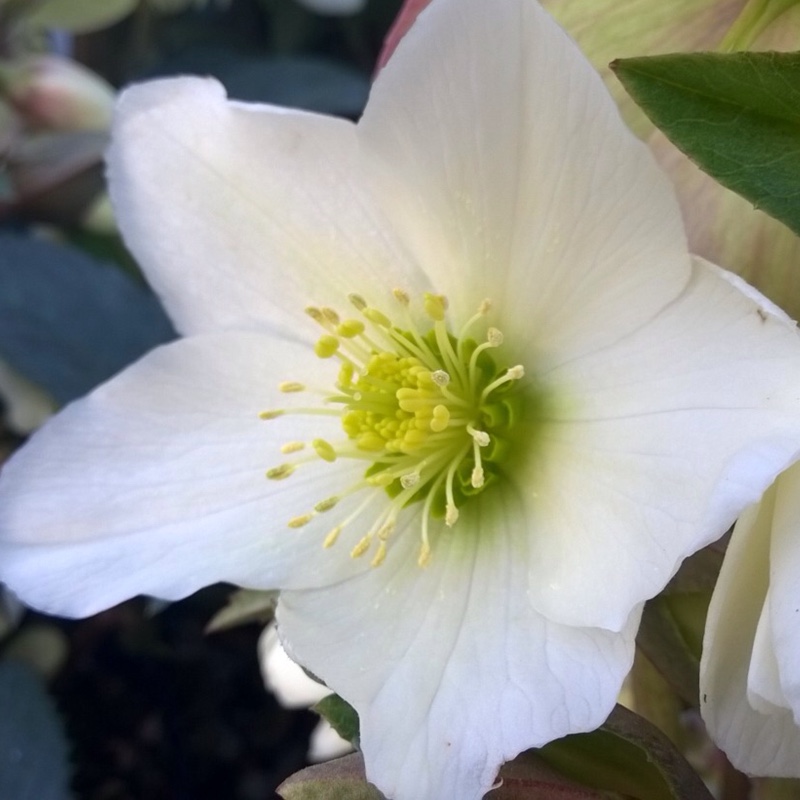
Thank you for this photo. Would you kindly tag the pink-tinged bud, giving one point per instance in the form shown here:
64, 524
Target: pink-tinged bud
57, 94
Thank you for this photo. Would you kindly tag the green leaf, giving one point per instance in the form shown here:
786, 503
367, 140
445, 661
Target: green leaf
341, 716
627, 755
244, 606
736, 115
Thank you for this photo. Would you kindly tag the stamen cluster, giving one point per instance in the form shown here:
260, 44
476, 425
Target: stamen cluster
429, 411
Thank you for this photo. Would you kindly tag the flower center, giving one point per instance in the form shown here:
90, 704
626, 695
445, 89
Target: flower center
432, 413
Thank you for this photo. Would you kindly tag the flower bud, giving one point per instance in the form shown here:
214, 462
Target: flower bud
58, 94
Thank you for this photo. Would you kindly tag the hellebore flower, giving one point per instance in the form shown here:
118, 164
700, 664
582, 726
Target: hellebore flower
749, 672
495, 400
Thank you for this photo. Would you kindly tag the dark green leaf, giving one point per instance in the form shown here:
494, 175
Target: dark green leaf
341, 716
33, 749
68, 322
627, 755
671, 636
736, 115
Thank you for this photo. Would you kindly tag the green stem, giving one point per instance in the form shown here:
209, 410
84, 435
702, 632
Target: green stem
756, 17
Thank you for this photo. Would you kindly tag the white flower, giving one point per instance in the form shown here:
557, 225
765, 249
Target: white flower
293, 688
750, 669
463, 545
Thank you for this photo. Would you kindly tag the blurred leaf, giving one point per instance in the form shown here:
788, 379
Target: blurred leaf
341, 716
56, 176
313, 84
627, 755
68, 322
736, 115
76, 16
244, 605
671, 636
305, 82
33, 748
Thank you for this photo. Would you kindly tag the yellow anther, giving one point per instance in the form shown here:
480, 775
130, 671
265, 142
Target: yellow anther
494, 337
330, 315
440, 377
315, 314
377, 317
326, 505
415, 437
331, 538
281, 472
441, 418
370, 441
291, 386
424, 555
299, 522
278, 412
350, 328
477, 478
292, 447
358, 301
435, 306
361, 547
515, 373
401, 297
485, 306
324, 449
481, 438
450, 516
326, 346
379, 557
346, 375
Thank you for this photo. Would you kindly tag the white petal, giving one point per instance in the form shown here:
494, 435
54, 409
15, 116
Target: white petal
155, 483
507, 169
326, 744
662, 439
755, 742
450, 667
764, 691
784, 590
242, 214
288, 681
